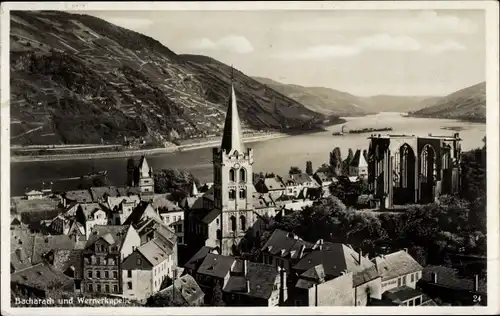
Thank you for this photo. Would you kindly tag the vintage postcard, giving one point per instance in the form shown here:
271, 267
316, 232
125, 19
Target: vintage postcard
225, 158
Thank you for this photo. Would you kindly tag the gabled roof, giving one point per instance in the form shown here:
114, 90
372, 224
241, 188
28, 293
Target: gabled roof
43, 244
261, 277
99, 193
144, 168
216, 265
187, 291
139, 213
274, 183
89, 209
117, 201
449, 278
232, 138
195, 261
64, 259
112, 234
43, 277
161, 201
396, 264
211, 216
358, 160
80, 196
299, 178
285, 244
155, 251
124, 191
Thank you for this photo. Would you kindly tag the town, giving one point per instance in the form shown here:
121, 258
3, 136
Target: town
310, 238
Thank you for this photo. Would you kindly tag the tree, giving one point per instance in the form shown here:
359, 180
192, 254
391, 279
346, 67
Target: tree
173, 180
217, 297
336, 162
309, 168
294, 170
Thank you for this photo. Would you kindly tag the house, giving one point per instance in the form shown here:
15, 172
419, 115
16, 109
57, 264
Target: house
100, 194
446, 284
192, 265
313, 290
171, 214
120, 208
76, 196
324, 181
104, 251
63, 224
243, 283
184, 291
34, 195
295, 183
91, 214
403, 296
69, 262
143, 211
398, 269
147, 267
40, 281
274, 186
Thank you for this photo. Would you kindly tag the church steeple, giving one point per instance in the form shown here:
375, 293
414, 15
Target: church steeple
232, 138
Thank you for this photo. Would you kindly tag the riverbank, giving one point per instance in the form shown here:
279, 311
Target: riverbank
466, 119
136, 153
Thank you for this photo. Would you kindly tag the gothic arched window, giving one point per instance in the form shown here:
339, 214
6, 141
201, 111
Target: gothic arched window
219, 234
243, 194
232, 194
243, 175
243, 223
233, 223
232, 175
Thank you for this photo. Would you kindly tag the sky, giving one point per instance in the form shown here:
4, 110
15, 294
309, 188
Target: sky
394, 52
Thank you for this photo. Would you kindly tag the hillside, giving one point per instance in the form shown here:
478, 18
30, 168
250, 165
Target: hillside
395, 103
79, 79
467, 104
330, 101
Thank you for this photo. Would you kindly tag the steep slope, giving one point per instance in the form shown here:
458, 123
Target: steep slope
79, 79
467, 104
322, 100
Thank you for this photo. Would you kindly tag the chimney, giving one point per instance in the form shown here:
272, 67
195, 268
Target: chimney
245, 268
247, 288
476, 283
360, 256
434, 276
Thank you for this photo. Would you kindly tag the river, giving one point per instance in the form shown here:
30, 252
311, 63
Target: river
275, 155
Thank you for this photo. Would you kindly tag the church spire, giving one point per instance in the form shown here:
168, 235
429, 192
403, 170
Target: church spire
232, 137
194, 189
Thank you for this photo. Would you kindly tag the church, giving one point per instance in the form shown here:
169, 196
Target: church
228, 211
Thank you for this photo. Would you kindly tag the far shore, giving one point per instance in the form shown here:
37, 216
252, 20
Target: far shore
135, 153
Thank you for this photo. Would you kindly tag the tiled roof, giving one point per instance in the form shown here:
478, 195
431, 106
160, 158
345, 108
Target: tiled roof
210, 217
63, 259
396, 264
262, 200
261, 278
337, 258
187, 291
116, 232
358, 160
195, 261
300, 178
314, 273
274, 184
80, 196
216, 265
158, 227
20, 259
449, 278
116, 201
125, 191
155, 251
139, 213
285, 244
44, 244
323, 177
192, 202
161, 201
41, 276
89, 209
401, 294
99, 193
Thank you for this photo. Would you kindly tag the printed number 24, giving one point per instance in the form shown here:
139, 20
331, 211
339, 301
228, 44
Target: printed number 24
476, 298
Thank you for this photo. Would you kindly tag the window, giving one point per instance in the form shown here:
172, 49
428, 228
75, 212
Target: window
167, 219
412, 277
106, 288
129, 285
232, 194
179, 228
399, 282
418, 301
115, 288
115, 275
98, 288
219, 234
243, 223
404, 279
411, 303
275, 287
217, 221
232, 176
129, 273
89, 273
98, 261
138, 261
243, 174
233, 223
243, 194
90, 288
98, 274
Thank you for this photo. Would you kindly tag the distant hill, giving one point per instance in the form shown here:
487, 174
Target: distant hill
467, 104
395, 103
322, 100
79, 79
330, 101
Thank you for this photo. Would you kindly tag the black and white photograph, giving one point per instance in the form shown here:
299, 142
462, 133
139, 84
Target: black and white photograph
221, 156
